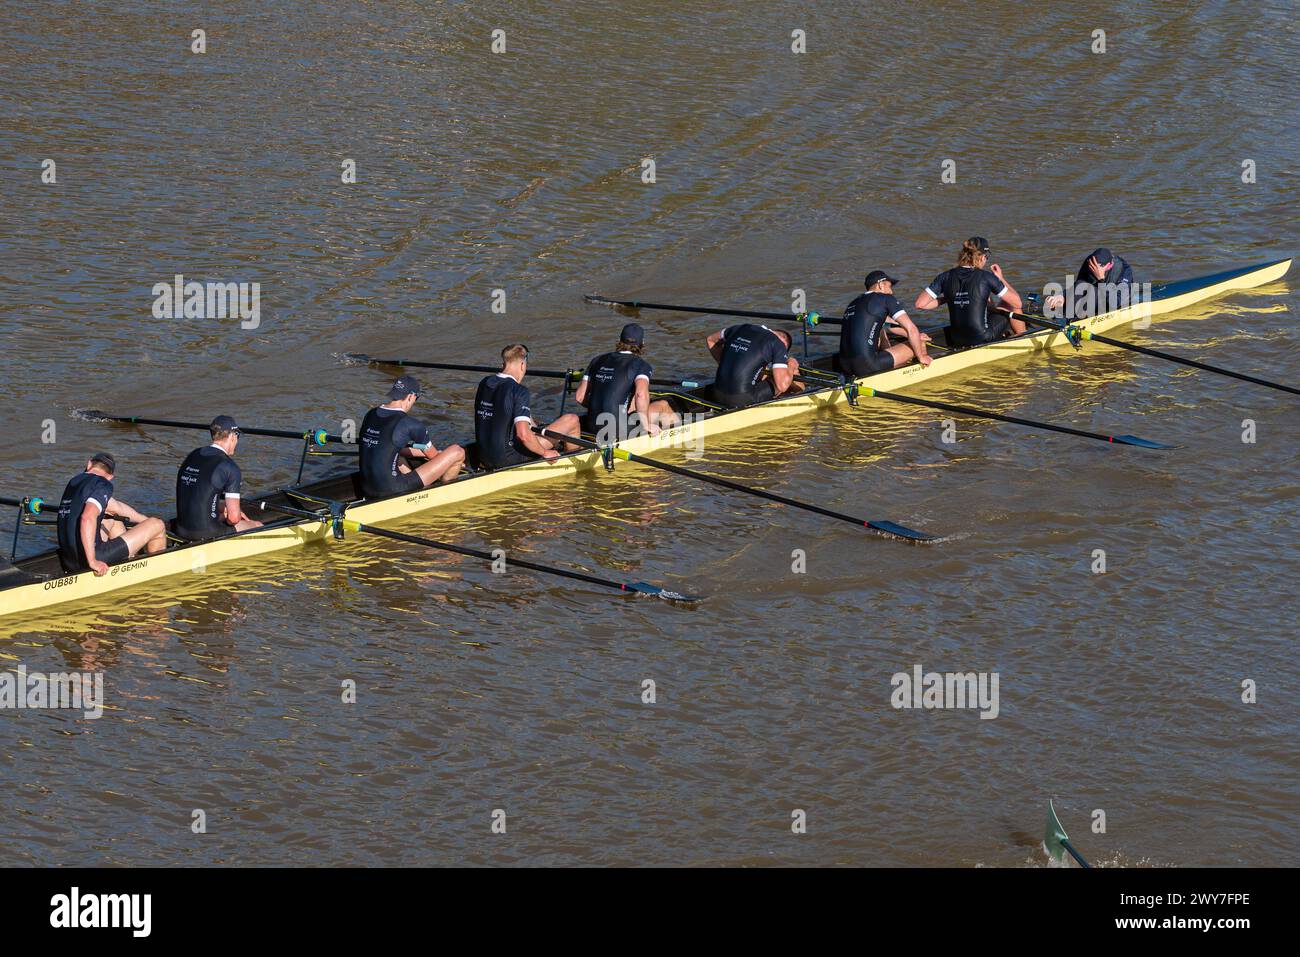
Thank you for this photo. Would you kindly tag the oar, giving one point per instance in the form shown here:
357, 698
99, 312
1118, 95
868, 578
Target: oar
997, 416
812, 318
573, 375
1055, 839
888, 528
347, 524
32, 506
315, 436
808, 318
1075, 333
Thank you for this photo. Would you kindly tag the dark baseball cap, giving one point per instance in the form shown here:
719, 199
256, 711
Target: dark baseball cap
1103, 256
223, 423
632, 333
404, 386
875, 276
980, 242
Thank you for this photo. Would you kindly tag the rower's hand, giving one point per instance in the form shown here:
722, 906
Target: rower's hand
550, 455
996, 270
653, 429
99, 568
925, 337
793, 364
925, 358
1053, 302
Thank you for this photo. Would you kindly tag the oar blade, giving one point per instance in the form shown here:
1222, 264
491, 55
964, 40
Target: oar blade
91, 415
1141, 443
902, 531
645, 588
1054, 835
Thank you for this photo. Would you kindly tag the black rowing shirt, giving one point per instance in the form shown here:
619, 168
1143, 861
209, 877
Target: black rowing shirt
384, 433
864, 322
84, 489
611, 382
206, 477
747, 350
1115, 291
967, 291
499, 403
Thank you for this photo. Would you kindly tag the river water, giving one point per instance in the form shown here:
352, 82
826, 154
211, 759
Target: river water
775, 171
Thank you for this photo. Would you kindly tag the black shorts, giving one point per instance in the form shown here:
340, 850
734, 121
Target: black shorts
514, 457
762, 392
215, 530
403, 483
858, 366
112, 552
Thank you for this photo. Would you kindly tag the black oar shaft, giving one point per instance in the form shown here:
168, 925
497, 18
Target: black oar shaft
171, 424
573, 374
351, 525
1065, 843
889, 528
709, 310
998, 416
1156, 353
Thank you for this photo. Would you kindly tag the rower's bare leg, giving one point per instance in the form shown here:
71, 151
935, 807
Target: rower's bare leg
902, 354
663, 414
151, 535
443, 467
567, 424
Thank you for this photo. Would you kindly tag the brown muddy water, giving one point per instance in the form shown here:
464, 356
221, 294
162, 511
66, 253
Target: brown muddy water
775, 170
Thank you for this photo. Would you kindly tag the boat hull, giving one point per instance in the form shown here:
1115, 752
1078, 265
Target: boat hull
195, 559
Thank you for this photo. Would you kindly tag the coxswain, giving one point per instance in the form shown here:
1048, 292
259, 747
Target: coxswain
754, 364
1104, 283
503, 417
618, 383
969, 290
864, 342
207, 487
396, 454
93, 526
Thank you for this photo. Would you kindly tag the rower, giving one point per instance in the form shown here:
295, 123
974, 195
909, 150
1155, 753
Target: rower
92, 525
617, 383
754, 364
969, 289
503, 417
207, 487
864, 345
395, 452
1104, 283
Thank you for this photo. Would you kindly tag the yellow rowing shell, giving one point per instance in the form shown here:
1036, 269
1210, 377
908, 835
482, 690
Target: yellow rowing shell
26, 595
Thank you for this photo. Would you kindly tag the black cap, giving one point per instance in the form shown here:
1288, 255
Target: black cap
105, 460
980, 242
223, 423
875, 276
632, 333
1103, 256
404, 386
